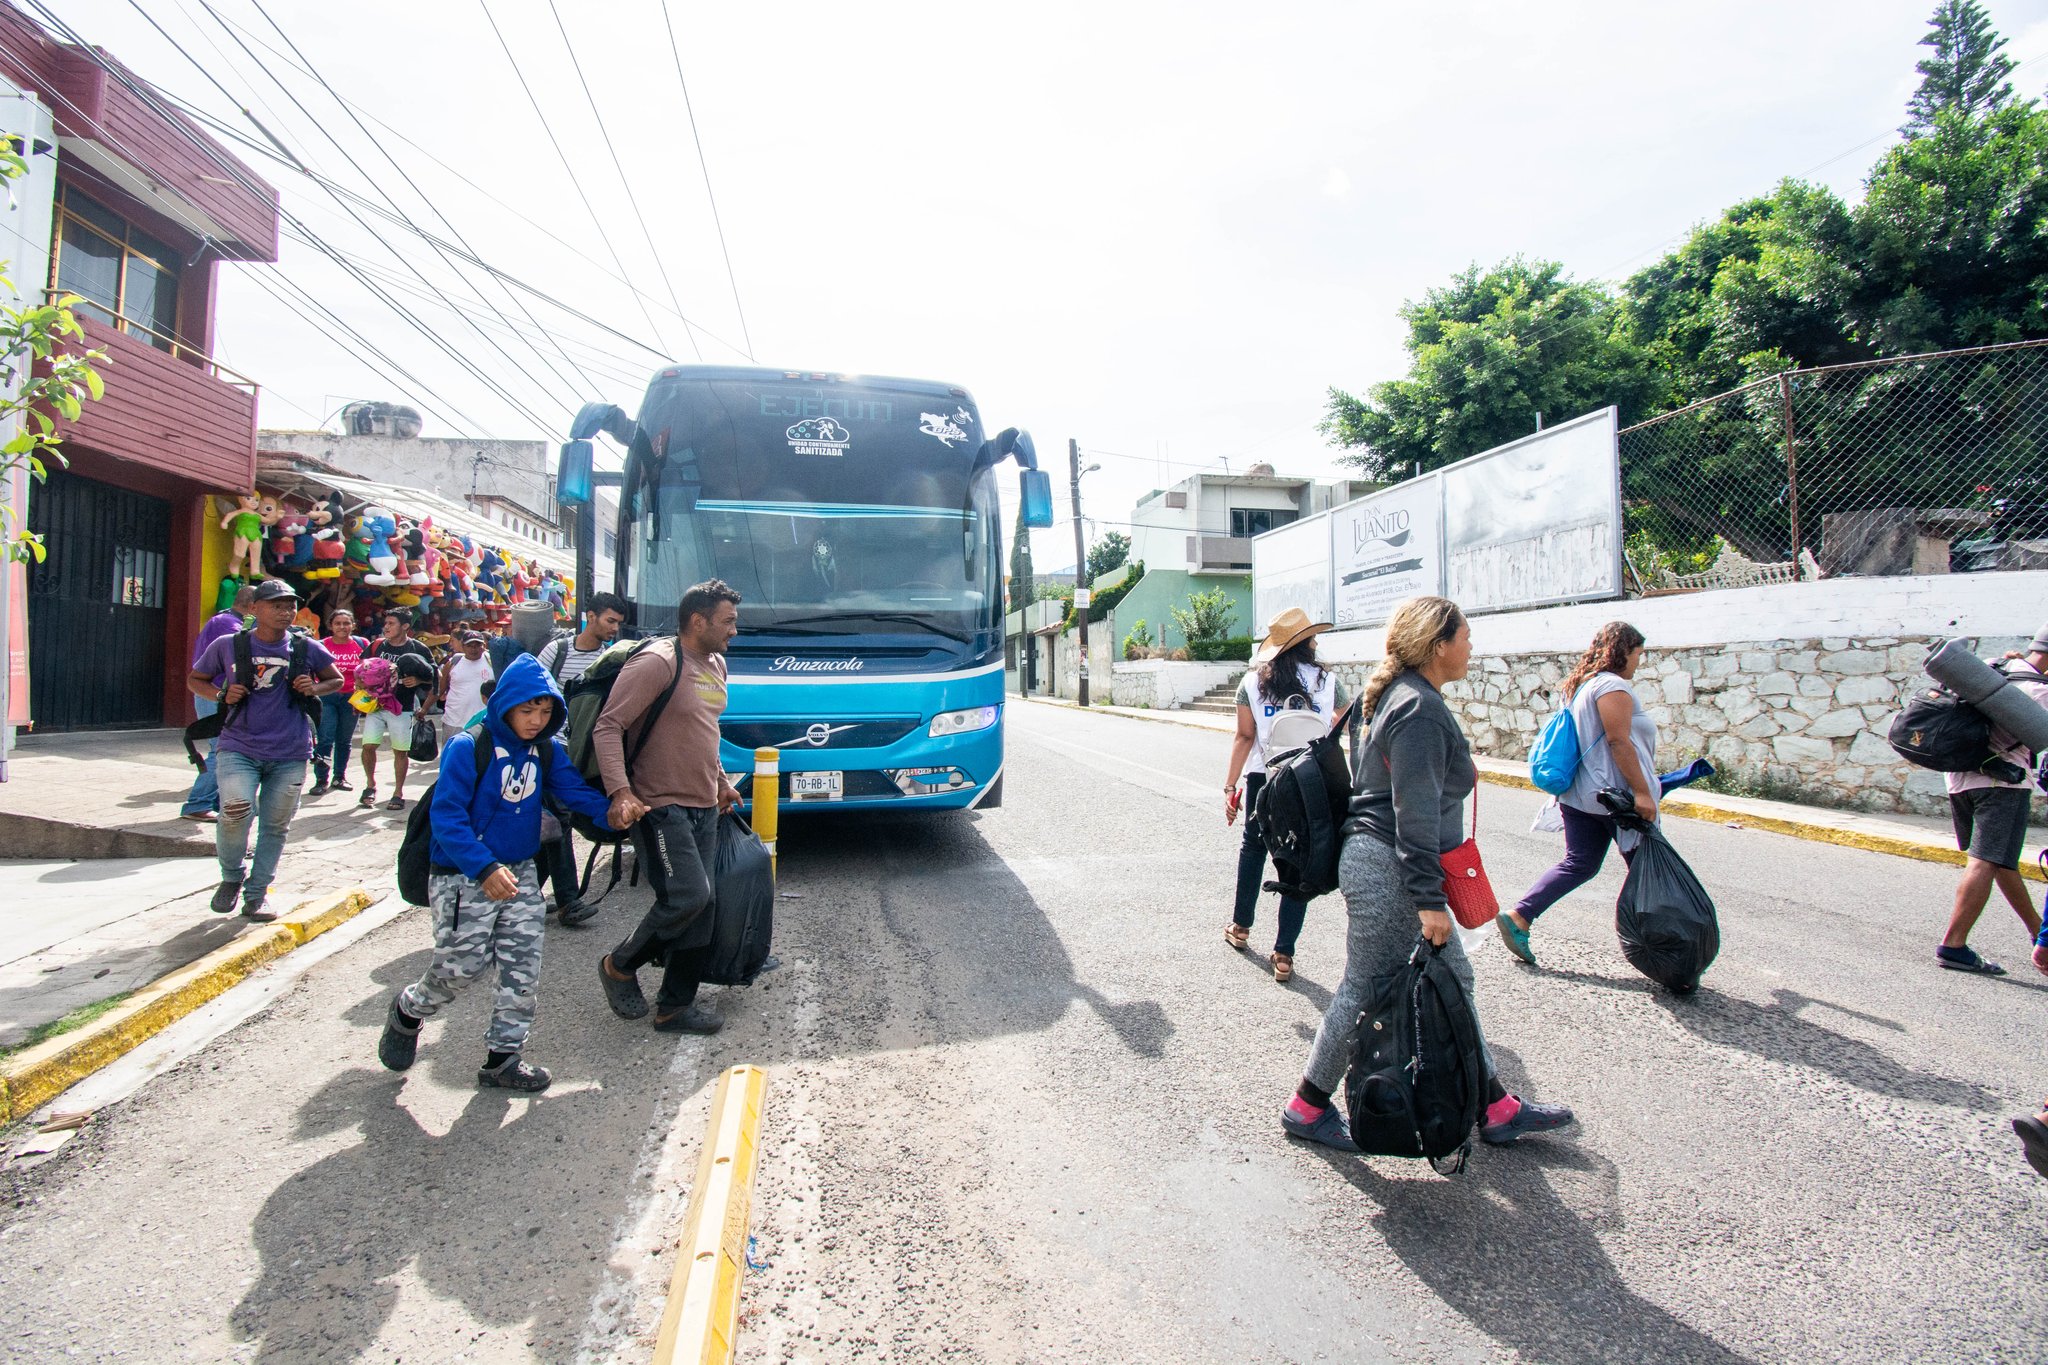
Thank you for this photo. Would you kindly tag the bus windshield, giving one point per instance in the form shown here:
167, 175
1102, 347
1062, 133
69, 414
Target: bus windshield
832, 508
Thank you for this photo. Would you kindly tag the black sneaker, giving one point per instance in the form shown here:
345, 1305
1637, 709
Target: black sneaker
577, 912
695, 1019
224, 897
400, 1043
623, 996
319, 788
1530, 1118
255, 910
513, 1074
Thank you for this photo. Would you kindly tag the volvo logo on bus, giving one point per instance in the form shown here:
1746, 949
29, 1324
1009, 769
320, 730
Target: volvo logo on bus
789, 663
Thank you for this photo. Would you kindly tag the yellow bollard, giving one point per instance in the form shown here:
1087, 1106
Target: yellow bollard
766, 793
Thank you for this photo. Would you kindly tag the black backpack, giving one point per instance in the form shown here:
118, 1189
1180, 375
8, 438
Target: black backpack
1417, 1081
1939, 730
1302, 808
587, 697
416, 850
209, 727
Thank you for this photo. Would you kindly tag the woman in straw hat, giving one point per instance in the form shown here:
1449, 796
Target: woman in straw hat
1284, 679
1414, 773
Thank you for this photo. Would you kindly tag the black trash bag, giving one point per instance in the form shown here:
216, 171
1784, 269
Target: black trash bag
1417, 1080
742, 907
1664, 918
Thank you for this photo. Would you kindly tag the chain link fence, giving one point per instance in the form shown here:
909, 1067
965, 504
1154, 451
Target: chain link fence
1932, 463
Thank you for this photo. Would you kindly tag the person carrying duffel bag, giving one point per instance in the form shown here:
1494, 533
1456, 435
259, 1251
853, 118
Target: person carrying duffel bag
1407, 811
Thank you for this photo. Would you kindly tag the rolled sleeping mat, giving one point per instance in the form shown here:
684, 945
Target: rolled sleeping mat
1985, 688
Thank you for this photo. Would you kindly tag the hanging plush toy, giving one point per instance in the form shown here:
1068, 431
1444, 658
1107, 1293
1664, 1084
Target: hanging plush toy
291, 545
376, 687
245, 525
415, 553
382, 529
490, 585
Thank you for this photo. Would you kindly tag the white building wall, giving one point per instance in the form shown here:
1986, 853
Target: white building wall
453, 467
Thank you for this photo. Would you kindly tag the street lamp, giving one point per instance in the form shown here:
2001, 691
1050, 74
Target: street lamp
1082, 596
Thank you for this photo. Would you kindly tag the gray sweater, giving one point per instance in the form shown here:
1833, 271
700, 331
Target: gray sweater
1414, 774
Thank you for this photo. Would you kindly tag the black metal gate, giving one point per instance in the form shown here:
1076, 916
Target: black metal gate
96, 615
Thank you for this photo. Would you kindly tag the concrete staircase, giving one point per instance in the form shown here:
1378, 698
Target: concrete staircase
1220, 700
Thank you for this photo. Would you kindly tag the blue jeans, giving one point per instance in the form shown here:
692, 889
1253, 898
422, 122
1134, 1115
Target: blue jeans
262, 790
205, 793
336, 735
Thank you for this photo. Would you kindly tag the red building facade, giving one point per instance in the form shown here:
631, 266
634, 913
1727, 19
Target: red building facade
146, 206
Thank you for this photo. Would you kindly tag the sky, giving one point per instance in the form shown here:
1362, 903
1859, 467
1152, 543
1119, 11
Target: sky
1164, 231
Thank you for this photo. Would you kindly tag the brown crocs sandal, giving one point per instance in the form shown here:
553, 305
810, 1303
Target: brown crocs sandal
1283, 967
1236, 935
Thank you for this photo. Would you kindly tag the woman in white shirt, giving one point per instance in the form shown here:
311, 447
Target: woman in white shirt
1284, 677
1617, 748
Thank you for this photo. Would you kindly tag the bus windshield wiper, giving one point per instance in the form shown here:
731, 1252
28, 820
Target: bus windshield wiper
906, 618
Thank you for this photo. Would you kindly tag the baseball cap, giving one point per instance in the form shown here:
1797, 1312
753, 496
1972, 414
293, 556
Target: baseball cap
471, 637
271, 589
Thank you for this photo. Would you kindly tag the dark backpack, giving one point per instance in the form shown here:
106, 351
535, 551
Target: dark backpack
210, 727
1941, 731
416, 850
587, 697
1302, 808
1417, 1080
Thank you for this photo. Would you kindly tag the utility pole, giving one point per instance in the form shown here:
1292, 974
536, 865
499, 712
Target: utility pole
1081, 595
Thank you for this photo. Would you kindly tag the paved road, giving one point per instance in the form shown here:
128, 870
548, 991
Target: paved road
1024, 1108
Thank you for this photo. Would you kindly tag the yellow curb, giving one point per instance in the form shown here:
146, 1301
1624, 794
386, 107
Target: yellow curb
33, 1078
701, 1321
1867, 840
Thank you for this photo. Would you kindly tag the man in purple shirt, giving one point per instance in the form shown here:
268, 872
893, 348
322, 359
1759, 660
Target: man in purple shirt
260, 757
205, 794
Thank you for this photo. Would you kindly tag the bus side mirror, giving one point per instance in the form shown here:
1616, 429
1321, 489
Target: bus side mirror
572, 474
1034, 488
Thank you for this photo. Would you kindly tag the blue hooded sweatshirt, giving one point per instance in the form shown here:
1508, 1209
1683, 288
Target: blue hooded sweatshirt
480, 825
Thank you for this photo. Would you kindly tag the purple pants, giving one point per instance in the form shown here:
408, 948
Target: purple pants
1586, 837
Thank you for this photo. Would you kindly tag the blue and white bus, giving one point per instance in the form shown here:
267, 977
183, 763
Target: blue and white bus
859, 519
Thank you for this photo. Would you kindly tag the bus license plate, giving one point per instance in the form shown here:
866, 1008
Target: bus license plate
817, 786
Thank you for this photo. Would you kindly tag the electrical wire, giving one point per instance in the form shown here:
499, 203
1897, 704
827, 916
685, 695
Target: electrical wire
549, 129
705, 166
625, 181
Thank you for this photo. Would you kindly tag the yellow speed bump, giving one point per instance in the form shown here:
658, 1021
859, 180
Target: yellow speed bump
701, 1323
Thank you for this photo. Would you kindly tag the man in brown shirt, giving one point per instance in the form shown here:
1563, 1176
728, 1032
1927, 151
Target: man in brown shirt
672, 692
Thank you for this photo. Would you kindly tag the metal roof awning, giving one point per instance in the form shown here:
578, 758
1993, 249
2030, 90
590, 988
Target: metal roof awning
418, 502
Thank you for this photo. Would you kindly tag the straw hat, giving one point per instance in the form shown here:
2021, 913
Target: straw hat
1289, 629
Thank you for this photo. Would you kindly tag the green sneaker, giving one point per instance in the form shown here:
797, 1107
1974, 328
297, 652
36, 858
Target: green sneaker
1515, 936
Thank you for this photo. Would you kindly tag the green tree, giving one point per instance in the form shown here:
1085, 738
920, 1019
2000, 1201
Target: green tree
1022, 592
1108, 554
1967, 72
45, 335
1207, 616
1488, 354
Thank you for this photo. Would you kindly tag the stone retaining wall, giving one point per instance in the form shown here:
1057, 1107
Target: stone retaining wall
1791, 719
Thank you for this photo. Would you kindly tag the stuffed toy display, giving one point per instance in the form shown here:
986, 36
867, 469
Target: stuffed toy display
291, 545
246, 525
381, 528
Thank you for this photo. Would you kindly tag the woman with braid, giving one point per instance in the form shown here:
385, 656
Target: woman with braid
1617, 749
1414, 773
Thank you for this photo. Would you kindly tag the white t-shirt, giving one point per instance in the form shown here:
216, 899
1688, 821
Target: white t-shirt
1597, 768
466, 679
577, 661
1321, 685
2003, 744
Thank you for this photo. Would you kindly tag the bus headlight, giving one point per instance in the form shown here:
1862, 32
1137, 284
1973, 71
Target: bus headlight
963, 722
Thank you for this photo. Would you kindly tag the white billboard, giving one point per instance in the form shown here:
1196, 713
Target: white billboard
1536, 521
1291, 568
1386, 548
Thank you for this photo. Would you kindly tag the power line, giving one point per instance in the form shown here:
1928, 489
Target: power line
410, 182
705, 167
548, 128
510, 208
625, 181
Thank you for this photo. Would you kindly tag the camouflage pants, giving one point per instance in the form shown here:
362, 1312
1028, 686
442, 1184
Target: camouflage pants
472, 931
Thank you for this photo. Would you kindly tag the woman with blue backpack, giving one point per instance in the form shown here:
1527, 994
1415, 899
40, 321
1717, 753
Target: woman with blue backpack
1600, 739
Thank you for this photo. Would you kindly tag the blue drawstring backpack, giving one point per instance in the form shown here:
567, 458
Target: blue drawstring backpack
1554, 761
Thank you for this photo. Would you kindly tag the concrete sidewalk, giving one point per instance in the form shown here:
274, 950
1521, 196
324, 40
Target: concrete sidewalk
77, 929
1928, 838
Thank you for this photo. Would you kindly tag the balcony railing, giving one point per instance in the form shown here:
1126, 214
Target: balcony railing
1220, 552
177, 349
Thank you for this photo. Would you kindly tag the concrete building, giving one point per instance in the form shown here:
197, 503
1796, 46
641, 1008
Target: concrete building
129, 206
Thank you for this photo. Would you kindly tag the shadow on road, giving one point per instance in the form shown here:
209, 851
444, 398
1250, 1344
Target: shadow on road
1501, 1247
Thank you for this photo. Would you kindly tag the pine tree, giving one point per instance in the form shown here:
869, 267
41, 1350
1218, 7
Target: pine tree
1967, 71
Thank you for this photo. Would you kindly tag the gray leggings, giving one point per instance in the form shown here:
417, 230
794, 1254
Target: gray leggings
1383, 931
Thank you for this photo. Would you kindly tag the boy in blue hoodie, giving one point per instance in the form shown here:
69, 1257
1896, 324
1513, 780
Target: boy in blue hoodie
486, 898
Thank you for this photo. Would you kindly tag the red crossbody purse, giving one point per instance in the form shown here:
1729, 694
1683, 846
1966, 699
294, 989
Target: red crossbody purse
1467, 889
